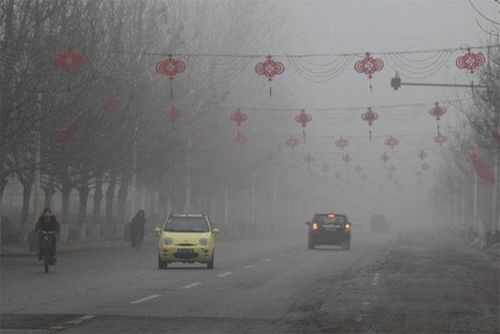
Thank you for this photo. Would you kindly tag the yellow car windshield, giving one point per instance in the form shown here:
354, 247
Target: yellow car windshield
187, 224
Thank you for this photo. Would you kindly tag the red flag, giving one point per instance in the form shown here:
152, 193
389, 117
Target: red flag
482, 170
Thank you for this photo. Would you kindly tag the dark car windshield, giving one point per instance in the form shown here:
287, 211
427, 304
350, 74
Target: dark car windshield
186, 224
325, 219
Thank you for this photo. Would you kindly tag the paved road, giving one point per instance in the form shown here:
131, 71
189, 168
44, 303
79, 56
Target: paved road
402, 282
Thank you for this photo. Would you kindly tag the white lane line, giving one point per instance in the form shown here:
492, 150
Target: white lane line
267, 260
250, 266
78, 320
144, 299
189, 286
224, 274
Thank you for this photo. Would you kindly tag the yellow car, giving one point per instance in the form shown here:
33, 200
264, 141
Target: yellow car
186, 238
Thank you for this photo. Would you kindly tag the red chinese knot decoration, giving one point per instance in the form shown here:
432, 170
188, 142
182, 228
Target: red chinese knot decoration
292, 142
440, 139
422, 155
239, 117
392, 142
342, 143
269, 156
69, 61
346, 158
470, 61
198, 136
170, 67
173, 113
303, 118
269, 68
370, 116
437, 111
309, 158
68, 133
240, 139
385, 157
369, 65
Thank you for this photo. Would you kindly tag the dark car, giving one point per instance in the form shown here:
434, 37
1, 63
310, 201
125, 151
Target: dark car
329, 229
379, 223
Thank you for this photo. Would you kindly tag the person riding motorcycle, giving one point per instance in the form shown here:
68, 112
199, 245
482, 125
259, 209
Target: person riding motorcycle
137, 227
46, 222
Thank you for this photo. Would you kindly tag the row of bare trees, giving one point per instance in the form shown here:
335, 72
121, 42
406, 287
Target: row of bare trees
59, 132
469, 195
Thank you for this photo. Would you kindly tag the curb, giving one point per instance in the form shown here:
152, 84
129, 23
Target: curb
61, 250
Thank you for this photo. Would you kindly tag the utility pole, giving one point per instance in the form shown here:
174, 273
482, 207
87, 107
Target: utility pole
36, 180
187, 203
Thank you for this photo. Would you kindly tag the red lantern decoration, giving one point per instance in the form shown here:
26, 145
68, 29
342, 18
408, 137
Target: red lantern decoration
385, 157
270, 156
369, 66
346, 158
240, 139
303, 118
112, 106
269, 68
470, 61
437, 111
239, 118
69, 61
440, 139
170, 67
370, 116
392, 142
308, 158
173, 113
342, 143
292, 142
422, 155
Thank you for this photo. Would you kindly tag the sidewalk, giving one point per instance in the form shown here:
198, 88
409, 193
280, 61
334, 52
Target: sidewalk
69, 246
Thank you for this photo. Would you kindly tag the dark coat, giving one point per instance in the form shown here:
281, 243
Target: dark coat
52, 225
137, 224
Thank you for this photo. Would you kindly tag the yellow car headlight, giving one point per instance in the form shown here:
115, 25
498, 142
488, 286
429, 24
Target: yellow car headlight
168, 241
203, 241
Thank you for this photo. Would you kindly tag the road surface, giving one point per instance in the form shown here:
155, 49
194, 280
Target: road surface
400, 282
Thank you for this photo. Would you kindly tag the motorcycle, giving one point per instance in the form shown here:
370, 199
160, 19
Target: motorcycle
48, 248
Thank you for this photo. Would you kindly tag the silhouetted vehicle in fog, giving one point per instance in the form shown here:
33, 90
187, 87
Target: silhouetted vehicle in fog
329, 229
186, 238
379, 223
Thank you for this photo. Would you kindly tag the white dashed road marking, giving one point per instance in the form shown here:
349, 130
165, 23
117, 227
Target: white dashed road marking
267, 260
192, 285
78, 320
144, 299
250, 266
283, 255
224, 274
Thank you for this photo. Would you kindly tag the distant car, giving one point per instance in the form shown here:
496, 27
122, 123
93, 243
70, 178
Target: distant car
188, 238
379, 223
329, 229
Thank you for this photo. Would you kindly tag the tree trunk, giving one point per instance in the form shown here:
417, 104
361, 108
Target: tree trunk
49, 192
65, 193
83, 193
97, 198
122, 198
27, 187
110, 197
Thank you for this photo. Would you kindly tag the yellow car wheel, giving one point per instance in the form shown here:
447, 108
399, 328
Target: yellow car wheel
210, 265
